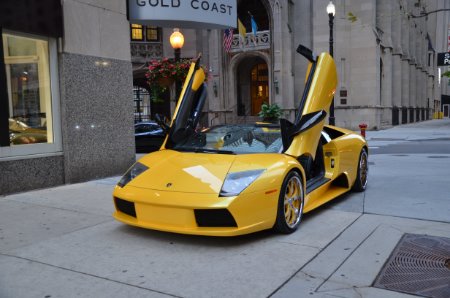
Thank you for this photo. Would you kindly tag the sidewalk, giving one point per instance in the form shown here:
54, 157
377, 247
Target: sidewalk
427, 130
63, 242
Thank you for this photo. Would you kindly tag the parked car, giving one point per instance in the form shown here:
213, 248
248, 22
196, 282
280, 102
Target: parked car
20, 133
236, 179
149, 136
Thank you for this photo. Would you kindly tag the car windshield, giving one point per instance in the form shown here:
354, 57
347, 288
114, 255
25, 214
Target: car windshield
233, 139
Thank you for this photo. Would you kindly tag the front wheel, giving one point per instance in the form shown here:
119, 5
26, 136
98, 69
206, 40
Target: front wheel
363, 171
290, 204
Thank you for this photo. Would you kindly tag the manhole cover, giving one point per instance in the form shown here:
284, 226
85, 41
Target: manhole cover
418, 265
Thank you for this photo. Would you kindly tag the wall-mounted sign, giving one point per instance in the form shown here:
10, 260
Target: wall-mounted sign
443, 59
199, 14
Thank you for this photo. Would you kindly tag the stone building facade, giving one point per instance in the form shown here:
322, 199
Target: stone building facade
66, 75
441, 35
385, 57
65, 89
386, 62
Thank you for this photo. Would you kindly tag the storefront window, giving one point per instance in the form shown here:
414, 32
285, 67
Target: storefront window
30, 101
28, 83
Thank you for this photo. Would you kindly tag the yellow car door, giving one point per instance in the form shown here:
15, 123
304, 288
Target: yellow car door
302, 136
189, 106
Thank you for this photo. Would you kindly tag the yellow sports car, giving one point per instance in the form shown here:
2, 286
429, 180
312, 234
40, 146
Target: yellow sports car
236, 179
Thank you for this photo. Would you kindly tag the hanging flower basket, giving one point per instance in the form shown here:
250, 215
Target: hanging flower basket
163, 73
165, 82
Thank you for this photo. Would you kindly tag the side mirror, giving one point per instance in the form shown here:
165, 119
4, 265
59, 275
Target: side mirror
162, 122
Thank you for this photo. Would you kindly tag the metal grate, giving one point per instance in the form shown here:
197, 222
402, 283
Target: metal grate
419, 265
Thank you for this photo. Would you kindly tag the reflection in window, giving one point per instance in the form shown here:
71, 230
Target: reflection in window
29, 93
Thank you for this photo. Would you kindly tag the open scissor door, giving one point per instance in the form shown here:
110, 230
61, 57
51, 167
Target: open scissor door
302, 137
189, 106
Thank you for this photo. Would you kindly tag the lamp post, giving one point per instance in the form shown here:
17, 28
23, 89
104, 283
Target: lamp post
331, 10
177, 42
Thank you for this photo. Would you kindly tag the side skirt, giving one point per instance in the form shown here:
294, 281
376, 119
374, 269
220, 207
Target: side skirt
315, 183
322, 190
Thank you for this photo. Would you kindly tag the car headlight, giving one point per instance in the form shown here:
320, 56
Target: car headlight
132, 173
235, 183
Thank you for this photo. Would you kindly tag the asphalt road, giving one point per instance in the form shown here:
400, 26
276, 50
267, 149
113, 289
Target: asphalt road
427, 146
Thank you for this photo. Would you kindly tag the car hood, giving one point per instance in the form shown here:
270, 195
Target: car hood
184, 172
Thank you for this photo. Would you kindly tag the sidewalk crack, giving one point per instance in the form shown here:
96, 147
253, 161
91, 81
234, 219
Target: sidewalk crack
314, 257
345, 260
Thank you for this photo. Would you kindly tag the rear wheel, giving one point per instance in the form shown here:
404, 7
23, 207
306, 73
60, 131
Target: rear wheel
363, 171
290, 204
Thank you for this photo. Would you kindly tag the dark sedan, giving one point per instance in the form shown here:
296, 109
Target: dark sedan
149, 137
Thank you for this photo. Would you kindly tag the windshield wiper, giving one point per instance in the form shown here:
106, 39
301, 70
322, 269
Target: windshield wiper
204, 150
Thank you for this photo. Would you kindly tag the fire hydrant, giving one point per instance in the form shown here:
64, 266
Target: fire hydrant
363, 128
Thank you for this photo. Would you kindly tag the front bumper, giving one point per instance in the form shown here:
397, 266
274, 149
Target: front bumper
182, 212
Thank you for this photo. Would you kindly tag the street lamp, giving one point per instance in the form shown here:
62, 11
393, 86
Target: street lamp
331, 10
177, 42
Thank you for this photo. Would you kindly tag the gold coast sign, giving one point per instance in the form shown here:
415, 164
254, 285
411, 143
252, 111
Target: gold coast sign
208, 14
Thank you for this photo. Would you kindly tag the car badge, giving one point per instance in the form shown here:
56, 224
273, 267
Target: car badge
169, 184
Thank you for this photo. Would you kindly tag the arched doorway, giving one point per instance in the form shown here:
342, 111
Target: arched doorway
252, 86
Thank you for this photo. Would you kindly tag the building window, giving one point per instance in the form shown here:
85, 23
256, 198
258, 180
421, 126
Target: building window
142, 104
152, 33
137, 32
145, 33
30, 70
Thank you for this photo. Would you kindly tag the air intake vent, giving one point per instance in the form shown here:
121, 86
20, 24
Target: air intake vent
214, 218
125, 207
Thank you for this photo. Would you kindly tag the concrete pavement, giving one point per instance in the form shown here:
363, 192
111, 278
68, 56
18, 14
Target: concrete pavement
62, 242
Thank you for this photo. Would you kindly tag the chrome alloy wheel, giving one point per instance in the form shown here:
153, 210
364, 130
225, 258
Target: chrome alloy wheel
363, 168
293, 202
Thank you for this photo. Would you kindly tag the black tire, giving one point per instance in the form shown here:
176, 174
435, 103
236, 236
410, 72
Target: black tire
363, 172
291, 200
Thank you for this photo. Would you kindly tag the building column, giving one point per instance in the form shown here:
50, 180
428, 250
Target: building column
386, 91
412, 69
396, 88
405, 65
396, 30
383, 18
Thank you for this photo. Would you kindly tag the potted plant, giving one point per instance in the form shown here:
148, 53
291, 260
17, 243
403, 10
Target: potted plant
270, 112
